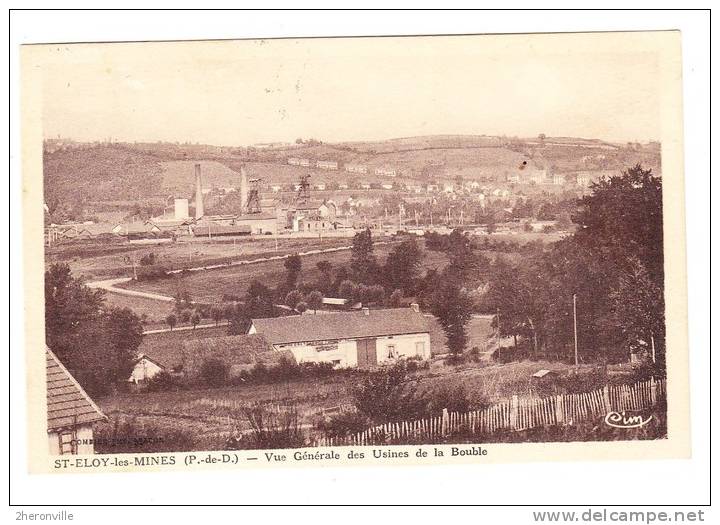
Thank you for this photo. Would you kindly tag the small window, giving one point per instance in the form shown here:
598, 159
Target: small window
420, 348
392, 354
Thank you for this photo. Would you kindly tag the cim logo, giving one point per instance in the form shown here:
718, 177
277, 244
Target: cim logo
623, 420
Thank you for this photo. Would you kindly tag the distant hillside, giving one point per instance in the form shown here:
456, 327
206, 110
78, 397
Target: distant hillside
145, 173
101, 172
178, 177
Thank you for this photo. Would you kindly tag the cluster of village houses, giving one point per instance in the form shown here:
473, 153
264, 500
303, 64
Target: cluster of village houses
271, 216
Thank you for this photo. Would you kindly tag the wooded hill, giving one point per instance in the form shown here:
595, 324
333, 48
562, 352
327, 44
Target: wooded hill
147, 172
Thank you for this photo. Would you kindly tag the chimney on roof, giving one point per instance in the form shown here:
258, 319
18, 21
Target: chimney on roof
199, 210
415, 307
366, 310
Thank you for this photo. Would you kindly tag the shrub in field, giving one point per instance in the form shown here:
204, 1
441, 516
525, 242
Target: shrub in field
316, 369
151, 273
161, 382
271, 429
214, 372
415, 363
148, 260
171, 321
474, 354
293, 298
343, 424
123, 435
301, 307
453, 399
185, 315
384, 395
285, 370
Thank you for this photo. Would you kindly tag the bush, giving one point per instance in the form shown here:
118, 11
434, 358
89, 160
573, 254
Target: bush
286, 369
293, 298
384, 396
151, 273
474, 354
453, 399
148, 260
214, 372
270, 429
343, 424
161, 382
415, 363
185, 315
316, 369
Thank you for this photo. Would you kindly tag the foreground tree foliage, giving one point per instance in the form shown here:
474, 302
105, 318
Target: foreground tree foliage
613, 264
96, 343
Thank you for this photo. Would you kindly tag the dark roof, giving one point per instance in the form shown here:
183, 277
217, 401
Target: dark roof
202, 228
240, 352
263, 216
341, 325
67, 403
148, 358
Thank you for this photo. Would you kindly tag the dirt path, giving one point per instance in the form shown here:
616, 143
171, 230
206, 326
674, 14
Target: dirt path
109, 284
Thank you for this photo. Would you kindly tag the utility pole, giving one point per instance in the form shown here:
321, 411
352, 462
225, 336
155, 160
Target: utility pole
652, 345
575, 326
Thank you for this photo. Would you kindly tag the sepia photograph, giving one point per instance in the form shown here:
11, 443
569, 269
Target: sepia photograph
344, 246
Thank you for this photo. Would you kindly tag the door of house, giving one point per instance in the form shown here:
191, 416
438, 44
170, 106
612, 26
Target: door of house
366, 353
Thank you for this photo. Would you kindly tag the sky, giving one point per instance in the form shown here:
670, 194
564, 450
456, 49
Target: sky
237, 93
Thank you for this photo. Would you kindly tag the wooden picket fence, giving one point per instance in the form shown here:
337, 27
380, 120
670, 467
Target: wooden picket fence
517, 413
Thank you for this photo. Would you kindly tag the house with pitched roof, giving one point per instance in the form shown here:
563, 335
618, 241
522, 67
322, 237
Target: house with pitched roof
364, 338
145, 368
71, 413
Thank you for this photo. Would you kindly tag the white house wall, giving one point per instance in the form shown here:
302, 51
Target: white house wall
144, 370
344, 352
405, 346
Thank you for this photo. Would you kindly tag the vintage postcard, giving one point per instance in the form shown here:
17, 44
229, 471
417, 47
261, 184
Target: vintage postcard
349, 251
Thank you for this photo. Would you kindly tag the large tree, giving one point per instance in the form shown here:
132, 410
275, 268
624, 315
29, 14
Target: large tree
363, 263
293, 265
453, 307
402, 266
622, 218
612, 266
98, 344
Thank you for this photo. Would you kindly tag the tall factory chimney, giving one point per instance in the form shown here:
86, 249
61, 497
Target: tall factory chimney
199, 211
243, 191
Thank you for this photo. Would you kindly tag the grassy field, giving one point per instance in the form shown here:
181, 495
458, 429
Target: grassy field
210, 416
211, 285
95, 262
155, 311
